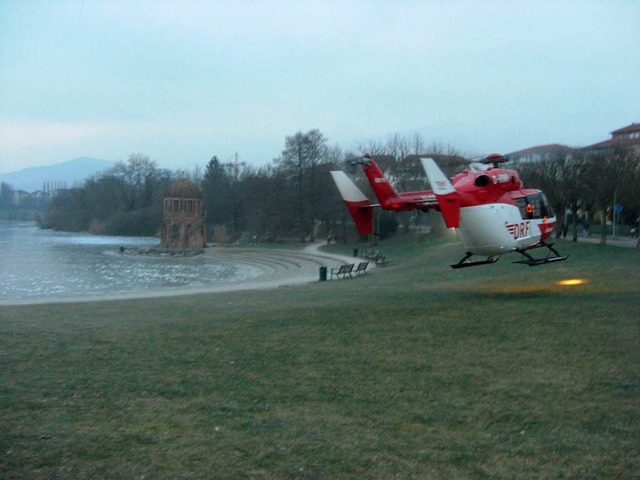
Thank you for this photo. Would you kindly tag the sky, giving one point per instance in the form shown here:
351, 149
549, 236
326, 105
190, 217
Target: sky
183, 80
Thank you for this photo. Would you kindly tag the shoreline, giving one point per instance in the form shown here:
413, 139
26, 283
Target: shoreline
279, 268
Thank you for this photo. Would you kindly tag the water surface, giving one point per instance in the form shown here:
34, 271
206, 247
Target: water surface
40, 264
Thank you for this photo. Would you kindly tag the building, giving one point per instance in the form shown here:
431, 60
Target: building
183, 225
624, 138
539, 153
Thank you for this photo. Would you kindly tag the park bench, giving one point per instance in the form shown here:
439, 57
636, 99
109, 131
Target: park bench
361, 268
343, 270
376, 255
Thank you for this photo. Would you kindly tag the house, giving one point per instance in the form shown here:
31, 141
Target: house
622, 139
539, 153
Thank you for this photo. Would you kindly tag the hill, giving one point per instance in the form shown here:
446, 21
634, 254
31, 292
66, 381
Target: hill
69, 172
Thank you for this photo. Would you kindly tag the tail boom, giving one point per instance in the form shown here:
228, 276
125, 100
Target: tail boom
387, 196
384, 192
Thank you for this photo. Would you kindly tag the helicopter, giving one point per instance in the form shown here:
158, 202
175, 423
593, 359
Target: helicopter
489, 208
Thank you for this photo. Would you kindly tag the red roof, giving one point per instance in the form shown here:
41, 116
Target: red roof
551, 147
616, 142
634, 127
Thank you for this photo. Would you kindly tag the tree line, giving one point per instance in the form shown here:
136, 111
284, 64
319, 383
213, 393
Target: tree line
294, 197
18, 205
589, 188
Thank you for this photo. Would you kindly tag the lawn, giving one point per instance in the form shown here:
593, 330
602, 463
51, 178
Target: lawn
412, 371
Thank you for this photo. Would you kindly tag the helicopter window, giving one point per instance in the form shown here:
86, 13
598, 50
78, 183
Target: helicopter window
534, 206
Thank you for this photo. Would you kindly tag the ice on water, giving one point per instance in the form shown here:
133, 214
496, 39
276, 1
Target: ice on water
44, 263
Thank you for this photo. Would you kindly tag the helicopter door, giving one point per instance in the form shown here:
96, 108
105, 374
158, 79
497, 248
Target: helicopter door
526, 210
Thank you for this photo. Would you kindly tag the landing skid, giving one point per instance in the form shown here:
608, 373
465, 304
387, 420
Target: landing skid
466, 261
552, 256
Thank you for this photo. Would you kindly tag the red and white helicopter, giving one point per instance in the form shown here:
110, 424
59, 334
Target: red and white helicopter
490, 209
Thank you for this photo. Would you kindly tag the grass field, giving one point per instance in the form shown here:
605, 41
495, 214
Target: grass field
412, 371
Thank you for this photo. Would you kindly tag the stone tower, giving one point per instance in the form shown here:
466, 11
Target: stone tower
183, 225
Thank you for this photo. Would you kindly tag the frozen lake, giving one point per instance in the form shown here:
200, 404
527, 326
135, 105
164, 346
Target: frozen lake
40, 264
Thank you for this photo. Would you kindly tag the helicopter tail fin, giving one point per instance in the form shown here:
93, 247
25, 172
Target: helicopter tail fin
357, 203
446, 194
380, 184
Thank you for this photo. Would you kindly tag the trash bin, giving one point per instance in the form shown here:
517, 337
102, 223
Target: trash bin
323, 274
355, 252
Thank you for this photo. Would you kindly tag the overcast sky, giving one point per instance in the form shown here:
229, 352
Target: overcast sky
183, 80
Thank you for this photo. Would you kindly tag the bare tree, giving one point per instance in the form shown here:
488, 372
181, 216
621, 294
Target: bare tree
6, 195
607, 178
561, 178
299, 162
267, 207
139, 177
636, 196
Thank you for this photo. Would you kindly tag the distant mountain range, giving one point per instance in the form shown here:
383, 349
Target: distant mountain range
69, 173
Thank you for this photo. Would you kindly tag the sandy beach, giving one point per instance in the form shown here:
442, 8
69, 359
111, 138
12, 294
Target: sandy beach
276, 267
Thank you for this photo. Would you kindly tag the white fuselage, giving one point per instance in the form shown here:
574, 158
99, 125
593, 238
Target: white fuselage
497, 228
